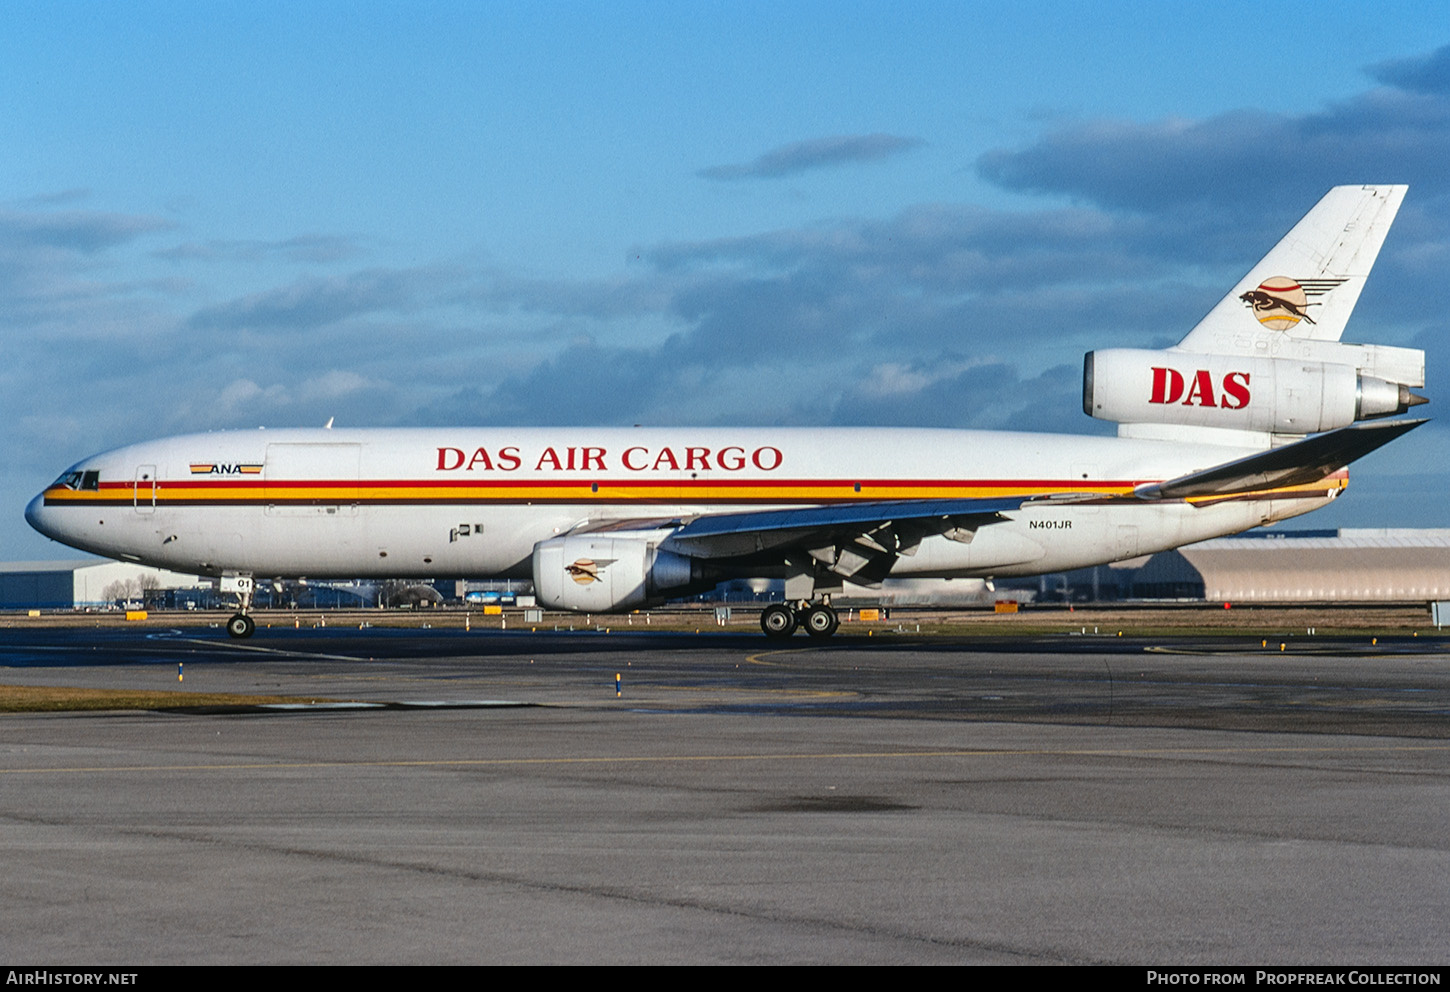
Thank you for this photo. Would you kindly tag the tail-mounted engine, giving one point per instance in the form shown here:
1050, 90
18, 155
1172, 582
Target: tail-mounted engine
1270, 395
601, 573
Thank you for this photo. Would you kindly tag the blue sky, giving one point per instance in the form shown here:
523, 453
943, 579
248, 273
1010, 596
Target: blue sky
237, 214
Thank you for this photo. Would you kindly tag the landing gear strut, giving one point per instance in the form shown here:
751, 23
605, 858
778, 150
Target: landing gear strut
779, 621
240, 626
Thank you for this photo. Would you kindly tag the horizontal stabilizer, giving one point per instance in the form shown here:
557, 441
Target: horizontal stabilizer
1301, 463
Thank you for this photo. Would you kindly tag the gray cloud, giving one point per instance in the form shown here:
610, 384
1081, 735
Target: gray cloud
49, 265
946, 390
72, 195
1420, 74
83, 231
1243, 161
311, 303
817, 153
315, 248
944, 247
585, 384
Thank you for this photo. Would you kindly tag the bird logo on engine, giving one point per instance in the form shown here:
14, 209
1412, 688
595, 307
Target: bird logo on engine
586, 570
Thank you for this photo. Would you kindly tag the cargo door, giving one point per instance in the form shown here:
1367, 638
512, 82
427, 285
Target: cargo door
312, 479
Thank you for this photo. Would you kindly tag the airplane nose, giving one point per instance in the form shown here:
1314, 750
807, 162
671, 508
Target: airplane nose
35, 515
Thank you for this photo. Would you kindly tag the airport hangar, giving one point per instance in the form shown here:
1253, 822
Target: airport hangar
1324, 566
1345, 566
90, 583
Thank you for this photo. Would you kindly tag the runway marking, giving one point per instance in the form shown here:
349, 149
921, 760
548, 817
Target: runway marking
754, 659
1428, 650
705, 758
282, 651
744, 690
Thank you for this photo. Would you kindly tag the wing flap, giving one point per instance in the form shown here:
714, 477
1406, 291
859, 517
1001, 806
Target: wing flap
890, 527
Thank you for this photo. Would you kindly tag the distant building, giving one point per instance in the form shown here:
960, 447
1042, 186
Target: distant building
1263, 566
1350, 566
94, 583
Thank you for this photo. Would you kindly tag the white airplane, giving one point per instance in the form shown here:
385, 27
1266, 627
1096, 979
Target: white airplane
1250, 419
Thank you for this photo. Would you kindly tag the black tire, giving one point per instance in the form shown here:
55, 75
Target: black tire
241, 626
778, 622
820, 621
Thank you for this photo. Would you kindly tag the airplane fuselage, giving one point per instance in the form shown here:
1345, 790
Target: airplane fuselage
468, 502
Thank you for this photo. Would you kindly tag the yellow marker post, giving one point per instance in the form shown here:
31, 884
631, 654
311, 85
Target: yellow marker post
179, 669
617, 690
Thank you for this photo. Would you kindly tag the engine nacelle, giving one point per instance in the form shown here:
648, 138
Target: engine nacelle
601, 573
1278, 395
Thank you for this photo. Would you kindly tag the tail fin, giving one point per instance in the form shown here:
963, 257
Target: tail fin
1307, 287
1266, 364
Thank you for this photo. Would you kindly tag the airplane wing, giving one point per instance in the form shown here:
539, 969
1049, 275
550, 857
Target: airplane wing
1301, 463
856, 541
891, 526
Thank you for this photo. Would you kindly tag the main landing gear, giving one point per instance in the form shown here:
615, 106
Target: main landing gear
779, 620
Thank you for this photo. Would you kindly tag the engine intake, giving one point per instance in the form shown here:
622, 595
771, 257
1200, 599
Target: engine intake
606, 574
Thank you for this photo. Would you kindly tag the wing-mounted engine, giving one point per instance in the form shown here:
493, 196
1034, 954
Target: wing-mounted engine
610, 572
1333, 386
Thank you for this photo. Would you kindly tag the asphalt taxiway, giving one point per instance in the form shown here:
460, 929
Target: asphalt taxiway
1034, 800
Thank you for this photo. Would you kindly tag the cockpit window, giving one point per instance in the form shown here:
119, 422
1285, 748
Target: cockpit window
82, 481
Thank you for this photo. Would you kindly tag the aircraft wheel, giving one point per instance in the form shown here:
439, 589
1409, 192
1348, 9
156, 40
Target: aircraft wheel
241, 626
778, 621
821, 621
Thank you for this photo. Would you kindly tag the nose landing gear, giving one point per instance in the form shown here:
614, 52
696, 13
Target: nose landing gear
240, 625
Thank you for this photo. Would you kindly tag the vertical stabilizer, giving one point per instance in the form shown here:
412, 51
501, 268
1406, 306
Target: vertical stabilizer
1267, 363
1306, 288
